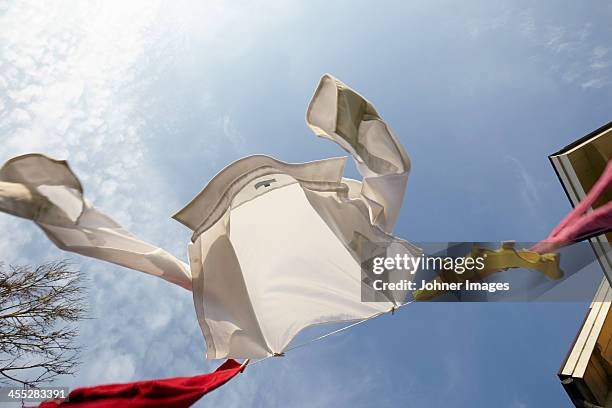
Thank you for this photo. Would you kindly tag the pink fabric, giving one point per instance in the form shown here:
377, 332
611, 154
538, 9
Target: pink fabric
579, 225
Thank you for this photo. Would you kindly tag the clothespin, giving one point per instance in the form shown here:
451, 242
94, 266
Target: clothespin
244, 364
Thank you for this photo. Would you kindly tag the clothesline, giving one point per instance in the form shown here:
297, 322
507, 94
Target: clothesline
316, 339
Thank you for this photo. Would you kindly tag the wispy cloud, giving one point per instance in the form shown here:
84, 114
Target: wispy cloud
518, 404
479, 27
69, 86
230, 131
570, 51
75, 84
526, 187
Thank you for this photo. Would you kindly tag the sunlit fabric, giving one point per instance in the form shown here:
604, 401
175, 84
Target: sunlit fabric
46, 191
278, 247
178, 392
581, 223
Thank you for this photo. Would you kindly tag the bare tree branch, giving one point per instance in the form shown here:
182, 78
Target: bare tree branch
38, 309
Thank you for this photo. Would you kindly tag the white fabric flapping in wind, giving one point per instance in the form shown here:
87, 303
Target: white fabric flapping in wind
276, 246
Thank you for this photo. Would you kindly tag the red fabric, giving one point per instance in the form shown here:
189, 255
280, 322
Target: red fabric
169, 392
579, 225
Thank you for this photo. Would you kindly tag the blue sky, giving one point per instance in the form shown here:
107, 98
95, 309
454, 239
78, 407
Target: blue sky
149, 99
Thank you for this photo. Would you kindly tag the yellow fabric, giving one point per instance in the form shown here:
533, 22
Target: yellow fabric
507, 257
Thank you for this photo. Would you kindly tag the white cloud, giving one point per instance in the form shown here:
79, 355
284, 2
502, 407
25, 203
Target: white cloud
25, 94
499, 20
572, 56
570, 51
600, 52
229, 130
596, 83
111, 368
19, 117
526, 188
527, 26
70, 76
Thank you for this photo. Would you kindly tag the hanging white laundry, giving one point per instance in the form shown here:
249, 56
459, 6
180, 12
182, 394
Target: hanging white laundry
46, 191
276, 247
